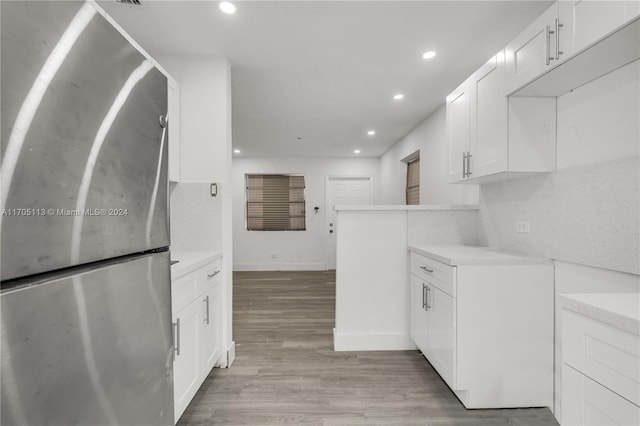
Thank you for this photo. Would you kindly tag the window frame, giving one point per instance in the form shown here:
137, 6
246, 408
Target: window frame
247, 202
414, 158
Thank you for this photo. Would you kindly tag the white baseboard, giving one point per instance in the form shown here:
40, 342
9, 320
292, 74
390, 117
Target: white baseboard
231, 354
372, 342
280, 267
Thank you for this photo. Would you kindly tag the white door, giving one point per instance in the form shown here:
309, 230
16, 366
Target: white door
210, 329
185, 365
489, 116
343, 191
533, 51
441, 333
585, 21
419, 314
458, 128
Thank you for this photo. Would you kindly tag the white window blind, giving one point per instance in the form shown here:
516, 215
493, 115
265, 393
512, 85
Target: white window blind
413, 182
275, 202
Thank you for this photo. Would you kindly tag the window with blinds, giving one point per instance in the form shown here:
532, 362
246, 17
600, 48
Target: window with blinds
275, 202
413, 182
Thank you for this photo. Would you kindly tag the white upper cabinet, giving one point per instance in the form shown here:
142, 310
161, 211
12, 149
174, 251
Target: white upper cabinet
491, 136
458, 112
586, 21
534, 51
489, 112
173, 118
501, 122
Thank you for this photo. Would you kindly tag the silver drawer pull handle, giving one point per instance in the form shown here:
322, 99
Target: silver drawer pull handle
213, 274
424, 268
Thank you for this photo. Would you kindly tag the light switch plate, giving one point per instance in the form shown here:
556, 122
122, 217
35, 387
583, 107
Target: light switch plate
523, 227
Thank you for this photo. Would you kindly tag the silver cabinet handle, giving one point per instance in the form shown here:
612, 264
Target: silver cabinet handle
213, 274
424, 268
206, 302
424, 292
427, 302
549, 31
546, 53
558, 26
468, 163
464, 165
176, 326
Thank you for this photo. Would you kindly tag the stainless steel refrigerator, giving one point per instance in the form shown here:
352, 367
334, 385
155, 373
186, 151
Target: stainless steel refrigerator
86, 335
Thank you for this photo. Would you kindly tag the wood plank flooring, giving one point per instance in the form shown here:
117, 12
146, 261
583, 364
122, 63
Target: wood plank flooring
286, 372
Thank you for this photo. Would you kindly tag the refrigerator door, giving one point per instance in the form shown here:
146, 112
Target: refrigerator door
94, 348
84, 151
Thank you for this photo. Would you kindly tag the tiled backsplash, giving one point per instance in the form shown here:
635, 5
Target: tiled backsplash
196, 222
445, 227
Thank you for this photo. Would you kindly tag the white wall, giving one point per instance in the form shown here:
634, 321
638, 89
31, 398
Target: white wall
295, 250
199, 221
430, 138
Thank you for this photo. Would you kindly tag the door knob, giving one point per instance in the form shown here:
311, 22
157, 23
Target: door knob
331, 224
331, 231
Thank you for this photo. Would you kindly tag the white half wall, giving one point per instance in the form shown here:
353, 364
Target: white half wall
430, 138
293, 250
372, 276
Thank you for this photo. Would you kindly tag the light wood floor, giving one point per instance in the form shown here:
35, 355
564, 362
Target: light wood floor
286, 372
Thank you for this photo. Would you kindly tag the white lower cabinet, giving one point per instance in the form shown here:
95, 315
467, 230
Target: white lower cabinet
210, 330
185, 364
197, 318
441, 348
600, 373
486, 329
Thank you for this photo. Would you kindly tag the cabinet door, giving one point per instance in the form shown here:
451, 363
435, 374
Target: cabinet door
533, 51
209, 330
586, 21
418, 313
441, 347
586, 402
489, 152
185, 366
458, 128
173, 118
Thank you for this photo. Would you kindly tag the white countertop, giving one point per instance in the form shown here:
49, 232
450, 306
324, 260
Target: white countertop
395, 207
467, 255
621, 310
190, 261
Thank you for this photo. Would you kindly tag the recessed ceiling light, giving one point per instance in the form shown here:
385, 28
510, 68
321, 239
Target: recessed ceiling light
428, 54
227, 7
236, 151
356, 151
371, 132
398, 96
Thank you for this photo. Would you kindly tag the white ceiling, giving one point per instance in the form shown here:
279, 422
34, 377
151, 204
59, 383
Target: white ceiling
326, 71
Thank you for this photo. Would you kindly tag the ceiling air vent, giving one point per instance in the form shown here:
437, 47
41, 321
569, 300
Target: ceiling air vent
132, 2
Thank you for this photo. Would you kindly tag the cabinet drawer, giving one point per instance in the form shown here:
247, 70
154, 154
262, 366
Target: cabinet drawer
208, 276
183, 291
437, 273
604, 353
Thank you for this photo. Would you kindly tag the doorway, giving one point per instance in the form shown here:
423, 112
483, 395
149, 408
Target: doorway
343, 190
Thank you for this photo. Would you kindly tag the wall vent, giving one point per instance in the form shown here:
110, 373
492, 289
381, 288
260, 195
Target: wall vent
132, 2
